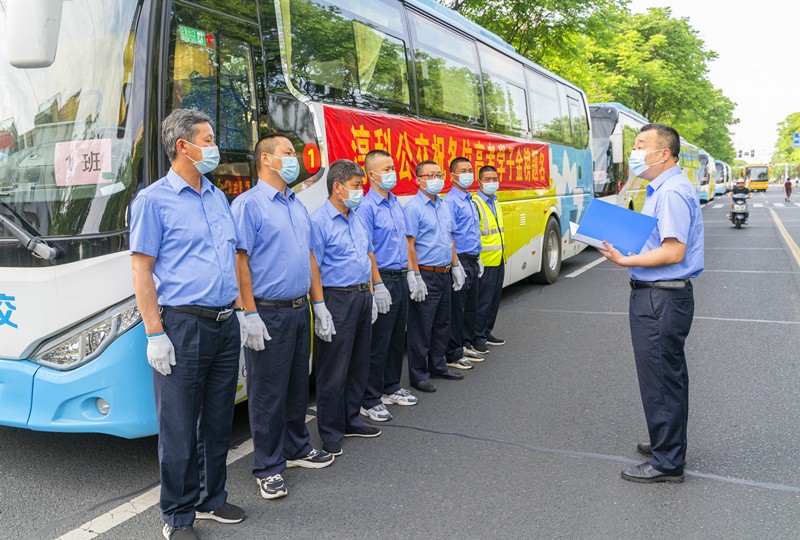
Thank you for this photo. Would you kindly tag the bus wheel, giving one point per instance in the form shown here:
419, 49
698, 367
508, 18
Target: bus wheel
551, 255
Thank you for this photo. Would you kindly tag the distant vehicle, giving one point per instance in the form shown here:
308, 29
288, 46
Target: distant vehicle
722, 178
756, 176
707, 172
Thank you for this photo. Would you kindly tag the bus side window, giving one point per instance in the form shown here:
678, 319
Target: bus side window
578, 122
236, 129
382, 65
503, 92
546, 120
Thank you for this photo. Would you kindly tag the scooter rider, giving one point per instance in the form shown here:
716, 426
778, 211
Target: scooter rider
738, 188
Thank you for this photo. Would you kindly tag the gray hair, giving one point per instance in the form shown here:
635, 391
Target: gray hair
181, 124
341, 171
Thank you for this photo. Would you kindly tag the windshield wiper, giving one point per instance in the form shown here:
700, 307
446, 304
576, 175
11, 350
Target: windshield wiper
35, 245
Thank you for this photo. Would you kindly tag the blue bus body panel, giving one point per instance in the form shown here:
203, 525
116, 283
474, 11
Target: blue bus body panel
66, 400
16, 390
719, 189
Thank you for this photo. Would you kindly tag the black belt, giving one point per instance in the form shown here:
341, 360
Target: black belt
352, 288
293, 303
663, 284
219, 314
468, 256
387, 272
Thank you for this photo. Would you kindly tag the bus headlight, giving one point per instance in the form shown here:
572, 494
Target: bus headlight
86, 341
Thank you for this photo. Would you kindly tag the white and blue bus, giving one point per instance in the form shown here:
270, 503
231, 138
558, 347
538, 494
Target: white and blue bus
85, 85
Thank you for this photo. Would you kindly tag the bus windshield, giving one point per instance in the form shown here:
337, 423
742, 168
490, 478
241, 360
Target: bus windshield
65, 143
759, 174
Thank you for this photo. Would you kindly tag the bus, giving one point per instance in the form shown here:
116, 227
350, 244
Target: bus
708, 169
722, 178
85, 85
614, 130
756, 176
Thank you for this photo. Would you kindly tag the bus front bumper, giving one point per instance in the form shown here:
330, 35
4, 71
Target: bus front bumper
112, 394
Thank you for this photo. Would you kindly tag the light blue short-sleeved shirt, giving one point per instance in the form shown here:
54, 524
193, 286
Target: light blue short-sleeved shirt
672, 199
386, 227
276, 233
467, 223
430, 223
193, 239
341, 247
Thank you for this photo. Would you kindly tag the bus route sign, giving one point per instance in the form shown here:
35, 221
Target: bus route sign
796, 140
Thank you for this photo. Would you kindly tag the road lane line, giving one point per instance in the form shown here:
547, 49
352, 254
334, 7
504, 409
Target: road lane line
758, 205
696, 317
585, 267
786, 236
778, 204
718, 205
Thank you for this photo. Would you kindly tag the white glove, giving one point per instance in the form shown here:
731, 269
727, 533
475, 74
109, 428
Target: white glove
412, 283
422, 289
382, 298
242, 328
160, 353
256, 331
375, 310
323, 322
480, 267
459, 277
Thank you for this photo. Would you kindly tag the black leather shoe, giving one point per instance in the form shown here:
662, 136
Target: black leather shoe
646, 449
646, 474
449, 375
424, 386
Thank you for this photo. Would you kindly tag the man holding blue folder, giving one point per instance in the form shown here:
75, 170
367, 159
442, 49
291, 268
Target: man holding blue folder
662, 301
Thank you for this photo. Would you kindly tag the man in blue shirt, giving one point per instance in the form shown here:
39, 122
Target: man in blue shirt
183, 253
429, 228
383, 216
662, 301
344, 308
274, 279
467, 239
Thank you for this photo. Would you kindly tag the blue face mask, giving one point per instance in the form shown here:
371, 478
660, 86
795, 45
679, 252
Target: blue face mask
490, 187
637, 163
354, 199
290, 169
210, 159
465, 180
435, 185
388, 181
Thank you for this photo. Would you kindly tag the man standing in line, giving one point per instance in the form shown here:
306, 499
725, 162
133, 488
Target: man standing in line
662, 301
182, 228
344, 308
467, 239
429, 227
383, 216
490, 287
274, 279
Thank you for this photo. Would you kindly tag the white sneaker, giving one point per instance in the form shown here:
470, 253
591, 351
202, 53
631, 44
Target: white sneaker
473, 356
378, 413
401, 397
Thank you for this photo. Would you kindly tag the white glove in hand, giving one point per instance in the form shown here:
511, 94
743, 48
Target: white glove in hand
459, 277
323, 322
480, 267
422, 289
412, 283
242, 329
256, 331
383, 299
160, 353
375, 310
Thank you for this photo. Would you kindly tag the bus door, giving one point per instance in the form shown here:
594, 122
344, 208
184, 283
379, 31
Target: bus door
214, 64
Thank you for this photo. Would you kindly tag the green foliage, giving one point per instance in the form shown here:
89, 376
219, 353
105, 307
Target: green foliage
784, 153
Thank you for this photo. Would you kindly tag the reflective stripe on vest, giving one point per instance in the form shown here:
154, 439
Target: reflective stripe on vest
491, 232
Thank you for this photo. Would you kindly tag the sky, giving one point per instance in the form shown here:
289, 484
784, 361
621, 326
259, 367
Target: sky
758, 64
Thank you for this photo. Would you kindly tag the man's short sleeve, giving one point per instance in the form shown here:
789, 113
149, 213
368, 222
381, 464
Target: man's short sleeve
317, 241
146, 229
411, 215
245, 223
674, 217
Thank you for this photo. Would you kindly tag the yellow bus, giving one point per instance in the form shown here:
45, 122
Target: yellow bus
756, 176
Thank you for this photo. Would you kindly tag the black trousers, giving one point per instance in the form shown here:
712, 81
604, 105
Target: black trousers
463, 308
277, 390
660, 321
388, 344
429, 327
343, 364
490, 289
195, 414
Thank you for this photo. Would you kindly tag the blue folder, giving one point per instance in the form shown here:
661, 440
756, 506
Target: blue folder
625, 229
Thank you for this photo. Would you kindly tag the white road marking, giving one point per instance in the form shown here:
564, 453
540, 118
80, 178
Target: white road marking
585, 267
797, 204
700, 318
758, 205
718, 205
778, 204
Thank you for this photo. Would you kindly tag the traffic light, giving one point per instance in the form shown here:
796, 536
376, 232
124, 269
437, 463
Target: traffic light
752, 153
740, 154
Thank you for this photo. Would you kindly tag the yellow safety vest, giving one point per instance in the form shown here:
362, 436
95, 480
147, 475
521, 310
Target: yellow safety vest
492, 250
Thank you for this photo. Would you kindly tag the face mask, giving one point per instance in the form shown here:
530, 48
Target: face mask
290, 169
210, 159
354, 198
490, 187
388, 181
637, 163
465, 180
435, 185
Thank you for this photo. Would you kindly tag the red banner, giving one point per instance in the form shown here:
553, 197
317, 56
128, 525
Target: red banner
351, 134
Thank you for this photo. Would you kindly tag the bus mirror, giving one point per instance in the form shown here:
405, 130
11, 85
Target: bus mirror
32, 32
616, 147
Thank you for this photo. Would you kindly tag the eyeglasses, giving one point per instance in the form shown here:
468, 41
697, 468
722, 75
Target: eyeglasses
439, 176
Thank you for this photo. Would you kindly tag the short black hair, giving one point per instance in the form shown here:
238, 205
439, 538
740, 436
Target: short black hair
456, 161
421, 164
485, 169
669, 137
372, 154
267, 145
341, 171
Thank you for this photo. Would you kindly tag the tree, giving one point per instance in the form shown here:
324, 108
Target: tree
784, 153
